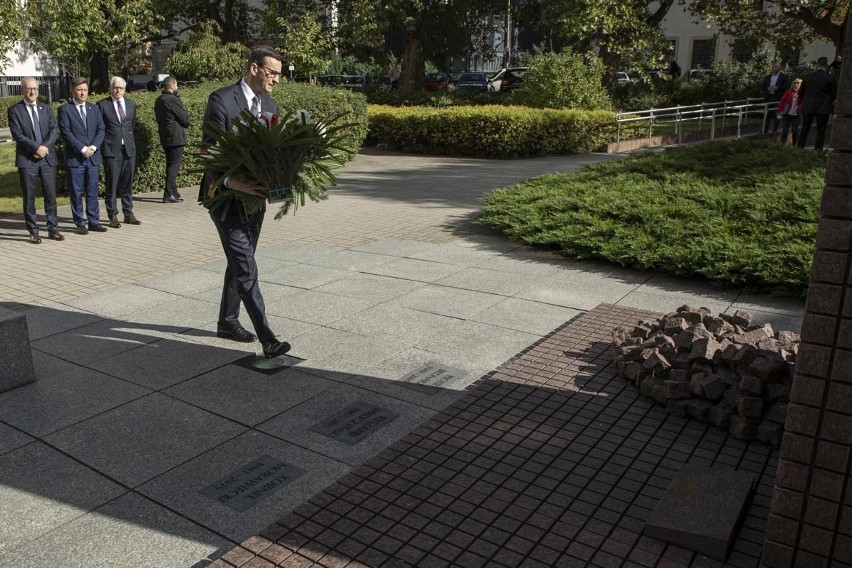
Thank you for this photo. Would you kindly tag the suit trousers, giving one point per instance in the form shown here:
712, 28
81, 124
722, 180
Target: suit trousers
239, 236
29, 177
84, 183
174, 157
118, 179
821, 127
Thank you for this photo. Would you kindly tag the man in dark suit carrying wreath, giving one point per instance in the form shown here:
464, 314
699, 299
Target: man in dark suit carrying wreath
238, 230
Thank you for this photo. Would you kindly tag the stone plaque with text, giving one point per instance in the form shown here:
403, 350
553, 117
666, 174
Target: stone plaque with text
431, 377
355, 422
247, 486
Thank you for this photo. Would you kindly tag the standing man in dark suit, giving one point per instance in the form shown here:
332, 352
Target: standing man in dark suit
818, 91
774, 86
119, 152
239, 231
34, 131
172, 122
82, 130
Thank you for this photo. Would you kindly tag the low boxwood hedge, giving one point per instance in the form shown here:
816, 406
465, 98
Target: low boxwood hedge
489, 132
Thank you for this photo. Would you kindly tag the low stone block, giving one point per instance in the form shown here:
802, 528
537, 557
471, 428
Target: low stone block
699, 409
750, 384
649, 384
770, 433
777, 392
674, 326
777, 413
754, 336
709, 386
704, 349
676, 389
702, 509
768, 369
721, 414
657, 362
742, 318
744, 356
676, 407
743, 427
16, 361
750, 406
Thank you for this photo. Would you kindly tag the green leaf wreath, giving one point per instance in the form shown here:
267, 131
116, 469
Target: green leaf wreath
292, 159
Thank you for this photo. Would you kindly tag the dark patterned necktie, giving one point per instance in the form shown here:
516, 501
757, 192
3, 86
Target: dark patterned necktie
255, 106
36, 124
121, 114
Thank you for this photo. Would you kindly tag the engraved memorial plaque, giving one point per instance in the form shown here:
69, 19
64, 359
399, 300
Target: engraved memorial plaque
431, 377
355, 422
247, 486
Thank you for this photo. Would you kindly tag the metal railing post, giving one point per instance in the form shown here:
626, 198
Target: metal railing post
713, 125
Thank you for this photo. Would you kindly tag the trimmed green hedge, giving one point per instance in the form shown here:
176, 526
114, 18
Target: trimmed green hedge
489, 132
150, 159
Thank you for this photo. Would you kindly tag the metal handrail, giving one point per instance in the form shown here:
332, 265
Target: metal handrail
741, 109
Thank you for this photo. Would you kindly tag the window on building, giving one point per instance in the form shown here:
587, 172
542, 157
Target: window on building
703, 53
743, 50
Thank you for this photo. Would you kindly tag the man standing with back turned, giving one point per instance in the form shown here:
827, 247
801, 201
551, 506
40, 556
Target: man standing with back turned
238, 231
119, 152
818, 91
34, 131
172, 122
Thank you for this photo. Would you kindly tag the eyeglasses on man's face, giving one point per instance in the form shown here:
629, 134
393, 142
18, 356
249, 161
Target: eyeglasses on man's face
270, 72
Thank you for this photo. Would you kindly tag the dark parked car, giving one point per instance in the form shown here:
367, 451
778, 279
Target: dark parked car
507, 79
476, 81
436, 81
360, 83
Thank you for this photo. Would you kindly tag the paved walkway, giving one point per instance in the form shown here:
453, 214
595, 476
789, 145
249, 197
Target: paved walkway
144, 433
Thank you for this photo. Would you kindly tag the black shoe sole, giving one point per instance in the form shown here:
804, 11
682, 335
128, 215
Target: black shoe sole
232, 337
283, 348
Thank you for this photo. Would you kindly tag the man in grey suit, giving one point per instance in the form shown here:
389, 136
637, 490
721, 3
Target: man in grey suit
239, 231
34, 131
119, 152
82, 130
818, 91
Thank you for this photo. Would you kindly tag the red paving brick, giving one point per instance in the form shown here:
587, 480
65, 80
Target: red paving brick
551, 460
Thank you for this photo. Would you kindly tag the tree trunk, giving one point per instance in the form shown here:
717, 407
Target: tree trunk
413, 64
99, 72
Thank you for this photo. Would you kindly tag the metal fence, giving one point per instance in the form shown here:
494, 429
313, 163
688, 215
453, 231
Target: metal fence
52, 88
726, 118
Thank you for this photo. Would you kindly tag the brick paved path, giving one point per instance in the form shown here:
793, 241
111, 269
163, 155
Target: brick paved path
551, 460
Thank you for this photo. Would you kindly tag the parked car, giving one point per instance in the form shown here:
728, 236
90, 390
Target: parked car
700, 73
473, 80
622, 78
507, 79
360, 83
436, 81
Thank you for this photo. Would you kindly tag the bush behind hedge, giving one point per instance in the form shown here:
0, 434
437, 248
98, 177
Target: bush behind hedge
489, 132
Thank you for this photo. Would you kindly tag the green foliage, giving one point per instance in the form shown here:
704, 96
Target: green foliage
741, 213
5, 103
442, 98
307, 45
564, 80
203, 57
10, 29
489, 132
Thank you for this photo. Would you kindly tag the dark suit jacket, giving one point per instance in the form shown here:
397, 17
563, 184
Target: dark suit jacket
172, 120
23, 133
223, 106
76, 135
818, 91
781, 85
118, 130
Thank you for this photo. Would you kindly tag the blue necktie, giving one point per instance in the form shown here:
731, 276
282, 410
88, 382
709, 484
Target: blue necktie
36, 124
255, 106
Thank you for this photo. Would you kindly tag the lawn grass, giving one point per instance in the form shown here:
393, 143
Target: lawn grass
737, 212
10, 187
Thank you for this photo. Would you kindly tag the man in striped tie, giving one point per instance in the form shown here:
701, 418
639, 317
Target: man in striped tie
119, 152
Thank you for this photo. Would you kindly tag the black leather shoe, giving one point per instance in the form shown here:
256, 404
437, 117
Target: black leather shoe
35, 239
98, 228
113, 222
132, 220
55, 235
275, 348
172, 199
235, 332
81, 231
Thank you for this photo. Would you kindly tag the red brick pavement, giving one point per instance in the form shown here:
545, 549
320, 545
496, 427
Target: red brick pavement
552, 460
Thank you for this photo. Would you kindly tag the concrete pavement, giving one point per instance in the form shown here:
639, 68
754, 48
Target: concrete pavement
113, 457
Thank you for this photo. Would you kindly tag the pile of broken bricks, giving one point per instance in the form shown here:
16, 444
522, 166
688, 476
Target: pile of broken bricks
720, 369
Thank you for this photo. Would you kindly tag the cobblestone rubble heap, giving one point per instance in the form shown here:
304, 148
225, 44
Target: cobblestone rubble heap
720, 369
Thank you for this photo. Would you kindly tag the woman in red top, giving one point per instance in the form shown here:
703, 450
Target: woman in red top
789, 110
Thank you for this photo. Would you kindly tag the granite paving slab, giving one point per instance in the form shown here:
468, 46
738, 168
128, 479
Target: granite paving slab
187, 283
47, 365
300, 275
764, 303
58, 401
552, 460
297, 252
665, 303
299, 425
391, 247
316, 307
523, 263
484, 280
116, 302
175, 316
11, 439
450, 254
128, 532
446, 301
473, 345
527, 316
166, 362
179, 488
335, 354
781, 321
580, 294
247, 396
351, 260
393, 322
41, 490
370, 286
413, 269
144, 438
270, 291
56, 318
104, 338
488, 240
